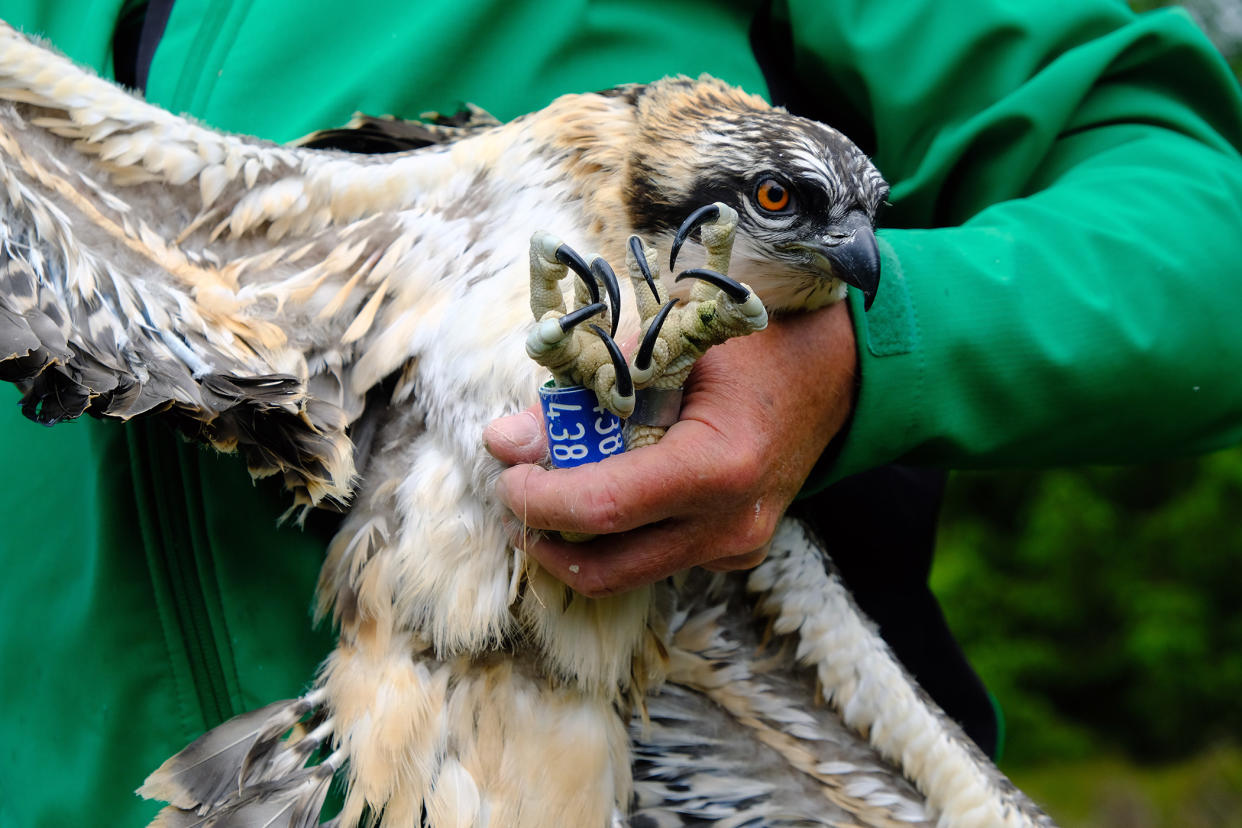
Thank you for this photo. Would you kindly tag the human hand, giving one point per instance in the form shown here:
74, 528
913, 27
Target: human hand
757, 413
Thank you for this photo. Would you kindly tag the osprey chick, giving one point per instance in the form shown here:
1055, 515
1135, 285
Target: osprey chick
256, 293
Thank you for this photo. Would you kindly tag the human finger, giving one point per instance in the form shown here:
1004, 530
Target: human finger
518, 438
624, 491
613, 564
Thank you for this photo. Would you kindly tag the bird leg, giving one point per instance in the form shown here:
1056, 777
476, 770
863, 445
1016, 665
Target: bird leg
719, 308
574, 356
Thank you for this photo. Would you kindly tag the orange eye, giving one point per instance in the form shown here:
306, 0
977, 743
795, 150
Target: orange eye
772, 195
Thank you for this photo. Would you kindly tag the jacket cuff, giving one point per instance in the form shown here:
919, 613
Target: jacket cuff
891, 367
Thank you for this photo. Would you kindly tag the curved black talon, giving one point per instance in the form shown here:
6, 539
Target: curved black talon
642, 359
569, 320
733, 289
700, 216
625, 384
604, 271
636, 248
569, 257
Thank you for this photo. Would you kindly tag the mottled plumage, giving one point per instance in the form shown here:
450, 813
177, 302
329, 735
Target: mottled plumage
256, 294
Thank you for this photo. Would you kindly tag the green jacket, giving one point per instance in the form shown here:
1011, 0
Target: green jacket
1058, 288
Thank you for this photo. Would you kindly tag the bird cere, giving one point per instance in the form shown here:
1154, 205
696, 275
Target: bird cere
254, 294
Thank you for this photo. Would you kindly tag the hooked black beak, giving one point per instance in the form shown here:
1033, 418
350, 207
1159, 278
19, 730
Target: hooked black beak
851, 255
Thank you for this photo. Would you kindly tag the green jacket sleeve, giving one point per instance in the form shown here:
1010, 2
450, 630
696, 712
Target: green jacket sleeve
1060, 281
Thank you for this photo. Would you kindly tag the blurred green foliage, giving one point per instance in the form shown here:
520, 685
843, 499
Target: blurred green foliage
1101, 606
1106, 792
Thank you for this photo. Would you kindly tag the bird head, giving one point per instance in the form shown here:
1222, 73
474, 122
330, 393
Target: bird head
805, 195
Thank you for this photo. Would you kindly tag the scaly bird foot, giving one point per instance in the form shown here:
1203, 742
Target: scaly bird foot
719, 309
574, 356
676, 335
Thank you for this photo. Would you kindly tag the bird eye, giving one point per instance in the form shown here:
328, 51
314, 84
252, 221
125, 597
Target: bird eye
772, 195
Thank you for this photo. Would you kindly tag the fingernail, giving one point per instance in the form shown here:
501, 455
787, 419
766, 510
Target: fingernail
519, 432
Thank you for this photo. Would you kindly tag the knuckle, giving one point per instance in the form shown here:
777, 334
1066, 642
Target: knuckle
739, 469
602, 510
736, 562
592, 584
756, 529
752, 537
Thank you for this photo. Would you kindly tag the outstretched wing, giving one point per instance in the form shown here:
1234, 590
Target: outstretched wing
148, 263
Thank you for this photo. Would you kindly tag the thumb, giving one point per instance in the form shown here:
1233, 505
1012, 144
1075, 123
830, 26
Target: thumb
518, 438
